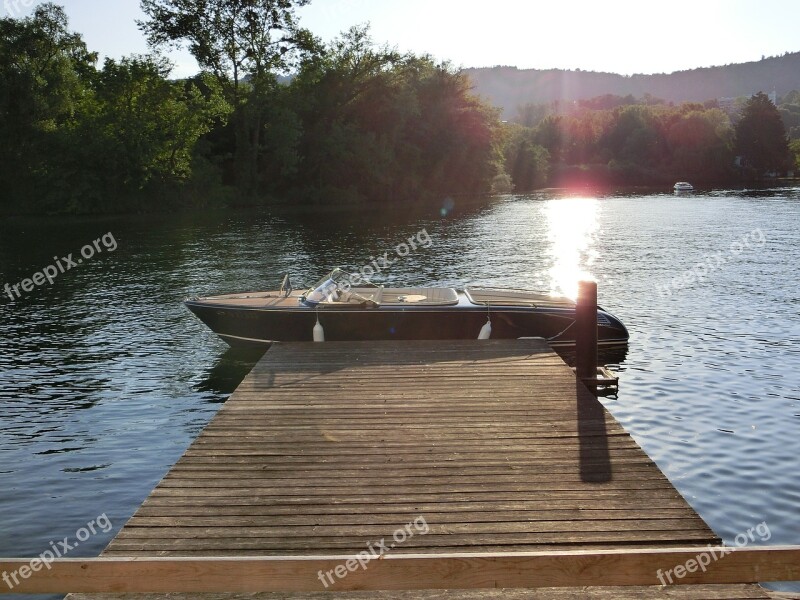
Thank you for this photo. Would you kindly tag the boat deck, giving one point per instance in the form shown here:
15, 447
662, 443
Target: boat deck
497, 297
271, 299
399, 297
328, 448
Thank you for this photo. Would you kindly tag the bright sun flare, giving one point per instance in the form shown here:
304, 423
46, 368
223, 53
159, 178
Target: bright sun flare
572, 225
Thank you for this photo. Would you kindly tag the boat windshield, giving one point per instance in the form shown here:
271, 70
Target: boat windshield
326, 289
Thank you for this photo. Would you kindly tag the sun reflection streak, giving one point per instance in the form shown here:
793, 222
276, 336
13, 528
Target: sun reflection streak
572, 227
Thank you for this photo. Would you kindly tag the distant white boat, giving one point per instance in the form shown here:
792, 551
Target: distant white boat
683, 186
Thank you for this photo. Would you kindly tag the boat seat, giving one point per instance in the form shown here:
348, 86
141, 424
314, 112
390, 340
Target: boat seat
396, 297
483, 296
419, 296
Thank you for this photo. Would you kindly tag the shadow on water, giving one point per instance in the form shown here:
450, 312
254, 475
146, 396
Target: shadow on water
606, 355
228, 372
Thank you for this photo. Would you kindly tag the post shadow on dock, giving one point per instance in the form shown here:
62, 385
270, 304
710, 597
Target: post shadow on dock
595, 461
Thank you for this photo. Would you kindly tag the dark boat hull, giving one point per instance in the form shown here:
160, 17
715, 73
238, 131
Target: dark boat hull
240, 326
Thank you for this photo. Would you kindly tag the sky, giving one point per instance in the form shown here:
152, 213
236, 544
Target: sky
617, 36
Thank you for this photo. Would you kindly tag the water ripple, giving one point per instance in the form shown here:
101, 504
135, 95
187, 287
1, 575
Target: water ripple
107, 379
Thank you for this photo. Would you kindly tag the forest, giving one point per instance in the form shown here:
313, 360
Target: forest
616, 140
278, 116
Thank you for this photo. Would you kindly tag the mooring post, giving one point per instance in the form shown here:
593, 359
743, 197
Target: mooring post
586, 333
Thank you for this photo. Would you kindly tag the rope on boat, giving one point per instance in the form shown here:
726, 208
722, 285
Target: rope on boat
560, 333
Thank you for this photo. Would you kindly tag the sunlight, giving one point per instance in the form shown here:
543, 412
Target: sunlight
572, 226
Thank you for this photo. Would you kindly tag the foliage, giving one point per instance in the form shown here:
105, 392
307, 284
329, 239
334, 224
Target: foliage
150, 124
43, 70
527, 163
789, 109
613, 139
531, 114
233, 39
354, 122
761, 137
794, 148
243, 43
700, 142
380, 125
85, 140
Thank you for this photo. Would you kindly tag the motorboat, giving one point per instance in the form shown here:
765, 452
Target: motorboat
683, 186
336, 310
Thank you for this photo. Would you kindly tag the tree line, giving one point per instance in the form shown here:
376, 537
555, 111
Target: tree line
352, 122
621, 140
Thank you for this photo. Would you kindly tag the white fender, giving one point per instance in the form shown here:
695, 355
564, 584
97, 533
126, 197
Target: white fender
486, 330
319, 332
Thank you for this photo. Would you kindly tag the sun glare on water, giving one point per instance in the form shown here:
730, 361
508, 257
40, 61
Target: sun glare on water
572, 227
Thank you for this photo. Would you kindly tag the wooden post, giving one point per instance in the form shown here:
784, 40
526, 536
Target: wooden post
586, 333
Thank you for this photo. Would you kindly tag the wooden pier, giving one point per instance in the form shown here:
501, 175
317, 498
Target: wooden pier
327, 449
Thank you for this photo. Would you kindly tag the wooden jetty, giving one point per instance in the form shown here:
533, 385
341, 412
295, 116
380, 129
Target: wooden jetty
327, 449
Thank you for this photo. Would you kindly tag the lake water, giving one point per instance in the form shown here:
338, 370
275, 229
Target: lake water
106, 378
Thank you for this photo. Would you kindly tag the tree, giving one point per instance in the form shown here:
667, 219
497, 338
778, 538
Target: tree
134, 136
243, 43
794, 148
531, 114
634, 137
527, 163
378, 125
700, 144
44, 69
607, 102
549, 134
761, 137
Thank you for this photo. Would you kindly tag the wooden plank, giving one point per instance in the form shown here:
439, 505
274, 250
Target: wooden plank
396, 571
150, 518
706, 592
326, 448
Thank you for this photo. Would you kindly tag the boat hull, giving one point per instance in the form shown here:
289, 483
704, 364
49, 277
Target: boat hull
249, 326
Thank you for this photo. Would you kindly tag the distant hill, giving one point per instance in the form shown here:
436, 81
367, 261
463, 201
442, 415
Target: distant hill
509, 87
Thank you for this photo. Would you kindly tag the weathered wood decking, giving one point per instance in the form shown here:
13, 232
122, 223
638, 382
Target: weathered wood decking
328, 448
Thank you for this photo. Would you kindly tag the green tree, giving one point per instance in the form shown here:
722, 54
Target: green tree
700, 142
81, 140
531, 114
794, 148
792, 97
635, 137
761, 137
134, 136
379, 125
44, 69
527, 163
789, 107
549, 134
345, 98
243, 43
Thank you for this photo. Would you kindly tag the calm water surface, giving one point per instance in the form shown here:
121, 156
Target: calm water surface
106, 378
